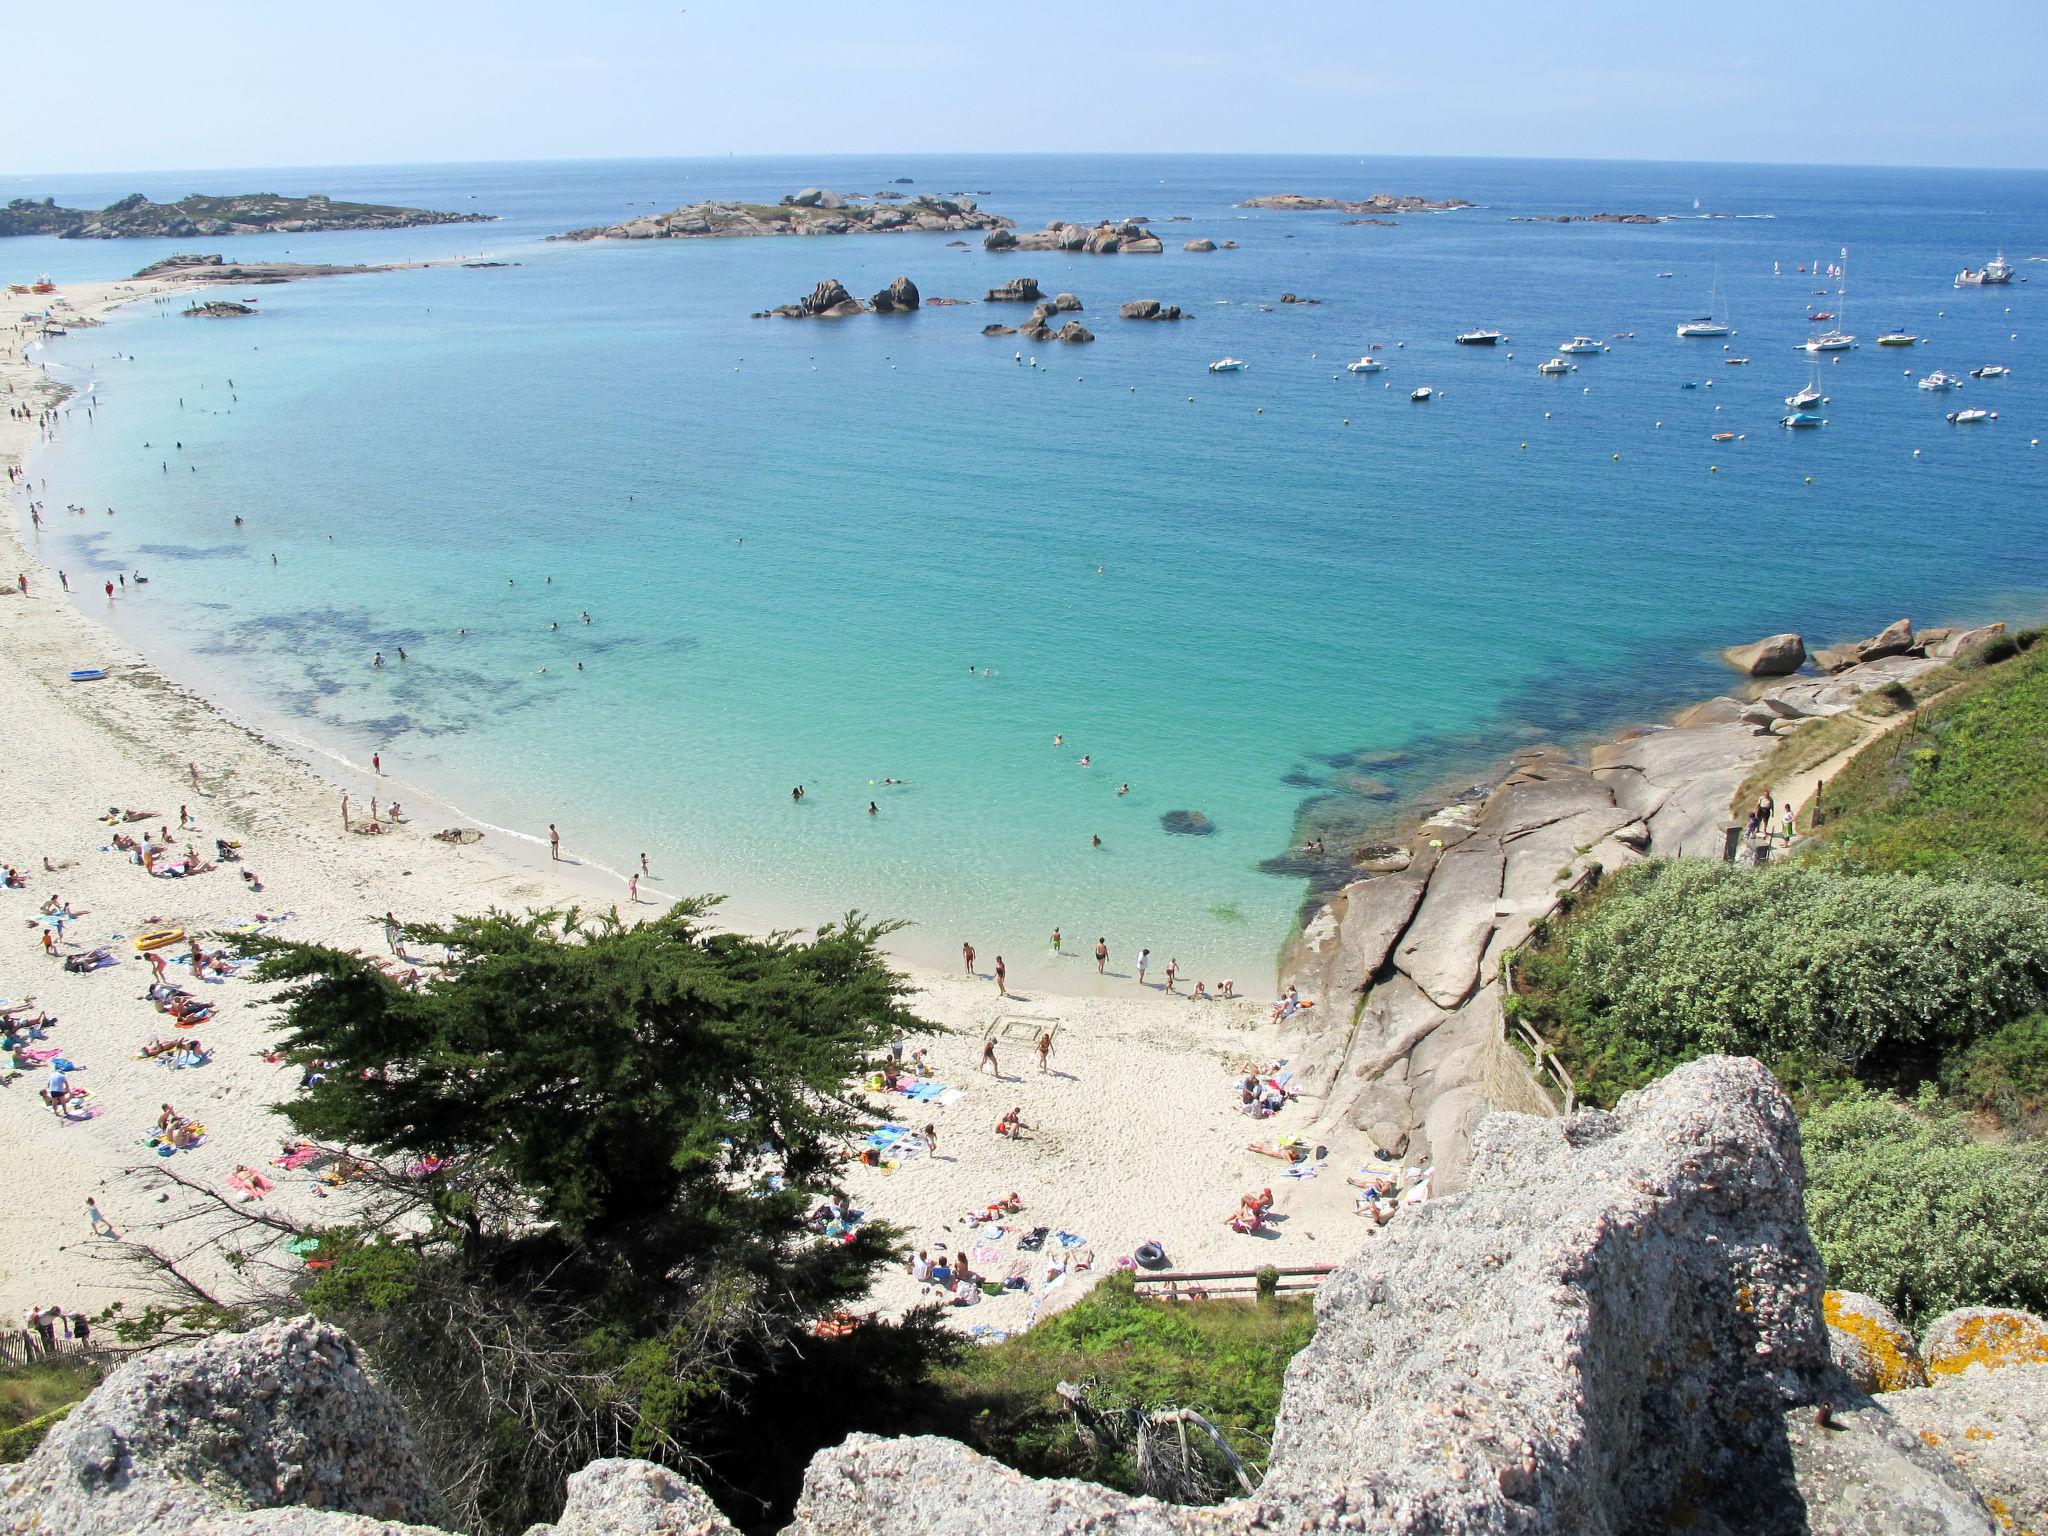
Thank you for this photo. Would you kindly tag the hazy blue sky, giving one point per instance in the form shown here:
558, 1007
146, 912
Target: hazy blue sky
116, 85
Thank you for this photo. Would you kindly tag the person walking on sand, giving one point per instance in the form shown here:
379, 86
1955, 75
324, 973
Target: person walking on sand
377, 763
633, 889
1044, 1050
967, 957
931, 1140
1144, 960
1002, 979
643, 863
554, 843
988, 1056
101, 1227
344, 810
1172, 968
1101, 954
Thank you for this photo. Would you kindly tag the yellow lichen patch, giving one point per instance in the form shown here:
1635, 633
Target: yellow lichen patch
1995, 1339
1930, 1437
1745, 1301
1976, 1432
1894, 1362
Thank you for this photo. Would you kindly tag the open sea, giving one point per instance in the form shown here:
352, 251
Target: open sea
832, 553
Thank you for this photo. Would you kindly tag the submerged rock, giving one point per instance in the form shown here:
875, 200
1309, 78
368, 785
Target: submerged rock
1187, 823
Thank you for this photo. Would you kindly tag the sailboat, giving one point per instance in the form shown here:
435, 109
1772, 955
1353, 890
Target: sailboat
1707, 325
1835, 339
1809, 398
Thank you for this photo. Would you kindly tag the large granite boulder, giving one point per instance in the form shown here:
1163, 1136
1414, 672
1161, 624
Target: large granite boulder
1870, 1344
1444, 943
1018, 290
1062, 303
1149, 309
1957, 641
899, 296
1977, 1339
1074, 332
634, 1498
281, 1416
1993, 1426
1772, 656
1199, 245
1895, 639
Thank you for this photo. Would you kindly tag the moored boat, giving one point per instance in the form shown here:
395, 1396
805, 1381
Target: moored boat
1990, 371
1801, 419
1365, 365
1938, 381
1898, 339
1996, 270
1227, 365
1480, 338
1973, 413
1580, 345
1554, 365
1422, 392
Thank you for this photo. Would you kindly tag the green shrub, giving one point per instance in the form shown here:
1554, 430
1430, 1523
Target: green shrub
2005, 1074
1908, 1208
1691, 957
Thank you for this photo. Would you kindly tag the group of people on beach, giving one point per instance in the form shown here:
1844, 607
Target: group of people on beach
1225, 989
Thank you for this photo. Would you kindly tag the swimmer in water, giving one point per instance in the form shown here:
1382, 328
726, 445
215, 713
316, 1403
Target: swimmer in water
871, 809
1123, 789
1094, 842
377, 660
1084, 759
1059, 741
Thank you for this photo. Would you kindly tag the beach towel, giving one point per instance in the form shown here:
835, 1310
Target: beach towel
298, 1157
926, 1092
255, 1189
884, 1136
1034, 1240
948, 1097
302, 1246
1299, 1171
1069, 1240
984, 1258
39, 1054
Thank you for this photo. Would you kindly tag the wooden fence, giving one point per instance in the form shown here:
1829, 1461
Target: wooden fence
1202, 1285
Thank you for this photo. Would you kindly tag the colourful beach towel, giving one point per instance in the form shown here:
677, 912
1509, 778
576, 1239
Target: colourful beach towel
298, 1157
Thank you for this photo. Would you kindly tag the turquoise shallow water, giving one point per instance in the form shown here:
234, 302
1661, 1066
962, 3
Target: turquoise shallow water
832, 552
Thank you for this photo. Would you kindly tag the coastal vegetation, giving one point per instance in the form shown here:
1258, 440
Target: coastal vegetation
36, 1395
1893, 973
135, 217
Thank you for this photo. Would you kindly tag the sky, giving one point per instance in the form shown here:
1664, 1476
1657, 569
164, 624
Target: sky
118, 85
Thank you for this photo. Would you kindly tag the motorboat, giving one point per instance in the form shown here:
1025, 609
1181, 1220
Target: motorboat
1423, 393
1938, 381
1724, 437
1735, 362
1819, 315
1996, 270
1799, 419
1554, 366
1480, 338
1898, 339
1365, 365
1990, 371
1580, 345
1227, 365
1974, 413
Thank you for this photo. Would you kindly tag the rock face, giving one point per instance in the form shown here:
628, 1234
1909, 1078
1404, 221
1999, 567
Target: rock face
1772, 656
279, 1417
1018, 290
1149, 309
900, 295
1973, 1339
1379, 202
137, 218
1993, 1426
1870, 1344
1618, 1329
1105, 239
801, 213
1955, 642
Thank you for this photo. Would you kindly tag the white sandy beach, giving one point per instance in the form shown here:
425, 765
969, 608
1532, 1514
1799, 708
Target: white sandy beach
1133, 1136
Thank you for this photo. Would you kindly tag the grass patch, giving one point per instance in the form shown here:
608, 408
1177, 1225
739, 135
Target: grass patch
1224, 1358
1801, 752
37, 1395
1961, 789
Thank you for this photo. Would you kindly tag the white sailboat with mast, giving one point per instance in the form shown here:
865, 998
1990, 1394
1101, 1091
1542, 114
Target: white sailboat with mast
1714, 322
1835, 338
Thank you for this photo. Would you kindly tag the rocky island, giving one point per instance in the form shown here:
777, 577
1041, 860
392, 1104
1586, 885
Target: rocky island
1131, 238
830, 301
809, 212
1379, 202
254, 213
217, 269
1588, 218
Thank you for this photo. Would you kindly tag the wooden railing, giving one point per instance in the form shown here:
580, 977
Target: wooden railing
1545, 1058
1201, 1285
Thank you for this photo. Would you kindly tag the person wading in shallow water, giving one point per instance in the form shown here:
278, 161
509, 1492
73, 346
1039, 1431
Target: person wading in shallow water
1101, 955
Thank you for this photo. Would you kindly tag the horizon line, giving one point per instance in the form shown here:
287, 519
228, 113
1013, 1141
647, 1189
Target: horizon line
12, 177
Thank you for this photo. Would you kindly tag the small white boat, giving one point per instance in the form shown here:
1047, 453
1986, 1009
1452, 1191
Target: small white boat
1480, 338
1227, 365
1830, 341
1423, 393
1898, 339
1580, 345
1554, 366
1938, 381
1974, 413
1735, 362
1990, 371
1996, 270
1806, 399
1365, 365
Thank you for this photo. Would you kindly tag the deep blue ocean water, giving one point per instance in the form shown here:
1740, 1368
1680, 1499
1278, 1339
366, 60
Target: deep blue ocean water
831, 553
